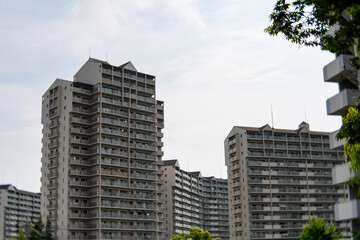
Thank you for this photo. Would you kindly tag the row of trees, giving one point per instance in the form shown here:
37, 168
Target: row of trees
37, 231
195, 234
317, 229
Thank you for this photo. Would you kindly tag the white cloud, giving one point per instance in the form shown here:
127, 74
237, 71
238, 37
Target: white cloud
20, 103
215, 68
20, 135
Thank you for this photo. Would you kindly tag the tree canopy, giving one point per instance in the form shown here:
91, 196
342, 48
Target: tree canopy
307, 22
319, 229
350, 131
39, 231
195, 234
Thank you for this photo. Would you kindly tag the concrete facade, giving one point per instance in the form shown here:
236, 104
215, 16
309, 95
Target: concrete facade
194, 201
216, 207
341, 71
278, 179
17, 209
102, 148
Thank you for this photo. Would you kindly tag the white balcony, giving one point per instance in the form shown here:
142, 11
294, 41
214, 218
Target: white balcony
339, 69
341, 174
335, 144
339, 104
347, 210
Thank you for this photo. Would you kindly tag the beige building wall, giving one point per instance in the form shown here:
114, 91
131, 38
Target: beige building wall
102, 149
56, 108
194, 201
278, 179
17, 209
169, 182
215, 207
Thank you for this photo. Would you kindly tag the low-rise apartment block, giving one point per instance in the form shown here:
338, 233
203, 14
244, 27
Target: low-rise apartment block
17, 209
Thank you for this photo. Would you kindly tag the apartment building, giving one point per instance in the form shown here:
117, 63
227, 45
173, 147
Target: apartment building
194, 201
17, 209
216, 207
102, 149
341, 72
278, 179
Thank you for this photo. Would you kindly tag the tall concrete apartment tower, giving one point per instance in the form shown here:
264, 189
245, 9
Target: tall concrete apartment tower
102, 147
278, 179
341, 72
194, 201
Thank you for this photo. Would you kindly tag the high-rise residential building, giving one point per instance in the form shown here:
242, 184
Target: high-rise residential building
102, 148
216, 207
17, 209
342, 72
278, 179
194, 201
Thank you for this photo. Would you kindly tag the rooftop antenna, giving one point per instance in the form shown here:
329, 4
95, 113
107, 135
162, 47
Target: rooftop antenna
272, 117
89, 51
188, 165
3, 176
106, 56
221, 172
305, 115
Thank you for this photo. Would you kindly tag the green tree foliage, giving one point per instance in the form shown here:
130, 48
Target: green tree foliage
350, 131
317, 229
41, 232
195, 234
306, 22
178, 237
48, 232
37, 230
21, 235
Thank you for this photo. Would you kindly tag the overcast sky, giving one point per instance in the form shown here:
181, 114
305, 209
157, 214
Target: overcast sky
214, 65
